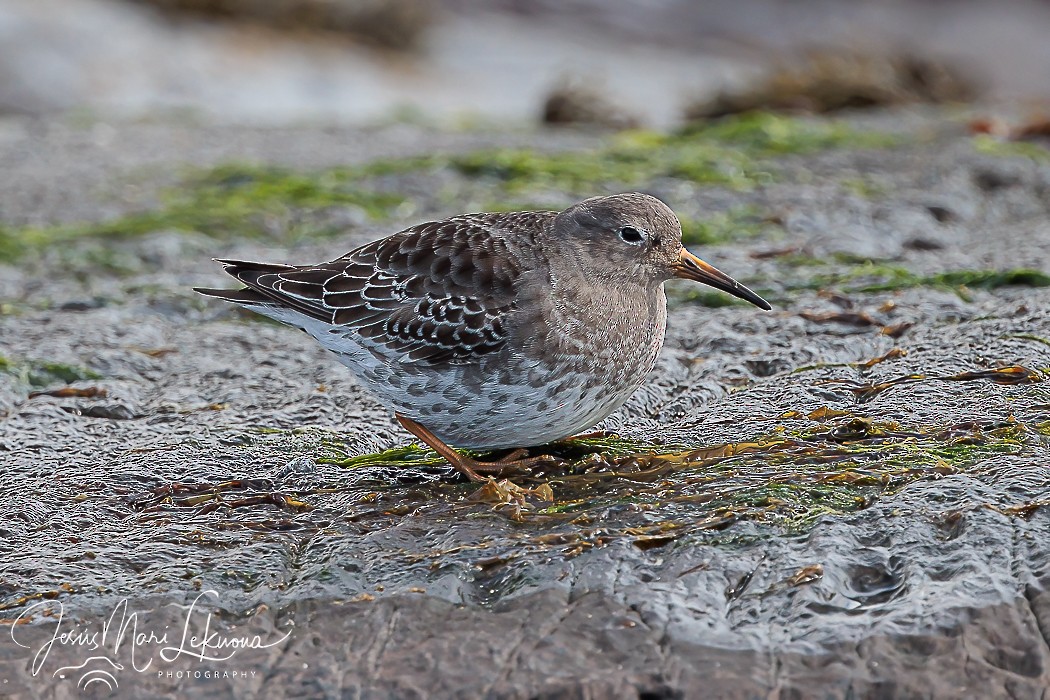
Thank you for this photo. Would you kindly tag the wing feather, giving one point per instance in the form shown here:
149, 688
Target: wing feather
437, 292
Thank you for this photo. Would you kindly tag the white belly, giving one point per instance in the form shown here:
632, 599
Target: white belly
506, 399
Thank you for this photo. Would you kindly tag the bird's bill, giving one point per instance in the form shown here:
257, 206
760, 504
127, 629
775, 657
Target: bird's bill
690, 267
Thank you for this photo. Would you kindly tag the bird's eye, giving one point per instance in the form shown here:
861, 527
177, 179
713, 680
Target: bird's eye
629, 234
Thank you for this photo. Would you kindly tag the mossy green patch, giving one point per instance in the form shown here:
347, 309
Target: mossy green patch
735, 224
787, 478
256, 200
732, 152
626, 165
11, 244
989, 145
42, 373
611, 446
992, 279
770, 133
238, 200
228, 201
630, 160
1030, 336
416, 455
404, 456
802, 260
866, 276
791, 480
606, 488
233, 191
695, 294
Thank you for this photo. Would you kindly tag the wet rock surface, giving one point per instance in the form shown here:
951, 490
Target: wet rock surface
847, 494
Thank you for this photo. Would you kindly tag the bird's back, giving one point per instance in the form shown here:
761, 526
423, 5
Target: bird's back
437, 293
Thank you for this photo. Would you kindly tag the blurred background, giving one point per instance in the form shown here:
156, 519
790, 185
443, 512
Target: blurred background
645, 62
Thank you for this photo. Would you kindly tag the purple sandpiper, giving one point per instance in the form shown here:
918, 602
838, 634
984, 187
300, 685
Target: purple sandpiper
495, 331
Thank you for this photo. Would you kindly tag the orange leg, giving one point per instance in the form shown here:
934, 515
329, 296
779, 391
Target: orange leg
471, 468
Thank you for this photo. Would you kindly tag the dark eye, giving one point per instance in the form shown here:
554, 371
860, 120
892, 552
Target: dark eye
631, 235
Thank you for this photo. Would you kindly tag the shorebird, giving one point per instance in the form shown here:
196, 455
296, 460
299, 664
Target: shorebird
499, 330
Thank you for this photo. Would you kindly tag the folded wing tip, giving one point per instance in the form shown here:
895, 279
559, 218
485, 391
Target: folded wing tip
239, 296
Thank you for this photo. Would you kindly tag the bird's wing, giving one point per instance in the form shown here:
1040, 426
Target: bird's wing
436, 292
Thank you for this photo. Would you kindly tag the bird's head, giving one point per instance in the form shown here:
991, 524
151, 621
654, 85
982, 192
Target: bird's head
636, 237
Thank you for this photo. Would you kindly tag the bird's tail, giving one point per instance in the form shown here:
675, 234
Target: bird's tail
251, 297
238, 269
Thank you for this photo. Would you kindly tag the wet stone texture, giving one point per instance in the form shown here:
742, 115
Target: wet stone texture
848, 497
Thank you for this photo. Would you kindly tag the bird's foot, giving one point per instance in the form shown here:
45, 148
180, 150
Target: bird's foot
508, 465
473, 469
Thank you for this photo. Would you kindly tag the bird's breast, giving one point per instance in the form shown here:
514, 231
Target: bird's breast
612, 333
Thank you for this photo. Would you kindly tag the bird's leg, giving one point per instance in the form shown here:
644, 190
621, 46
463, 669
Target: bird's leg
462, 464
465, 465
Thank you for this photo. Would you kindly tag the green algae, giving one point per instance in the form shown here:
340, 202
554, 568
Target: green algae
234, 190
42, 373
632, 161
770, 133
989, 145
867, 276
863, 275
735, 224
250, 200
733, 152
992, 279
415, 455
605, 488
12, 246
792, 479
1030, 336
402, 457
234, 200
788, 478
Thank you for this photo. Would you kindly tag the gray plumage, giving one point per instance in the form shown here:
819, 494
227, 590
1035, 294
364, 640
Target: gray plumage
495, 330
